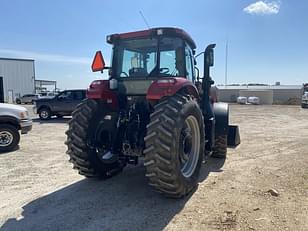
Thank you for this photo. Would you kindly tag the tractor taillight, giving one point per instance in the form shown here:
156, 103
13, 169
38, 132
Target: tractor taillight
96, 82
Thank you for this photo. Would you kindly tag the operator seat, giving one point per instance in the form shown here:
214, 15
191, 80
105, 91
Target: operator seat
137, 72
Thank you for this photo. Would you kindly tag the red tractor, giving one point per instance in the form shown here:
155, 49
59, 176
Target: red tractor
153, 106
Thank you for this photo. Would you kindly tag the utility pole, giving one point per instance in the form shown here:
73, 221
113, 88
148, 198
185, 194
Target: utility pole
226, 64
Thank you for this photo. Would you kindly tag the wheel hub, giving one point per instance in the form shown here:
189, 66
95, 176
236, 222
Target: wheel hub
44, 114
6, 138
187, 143
103, 145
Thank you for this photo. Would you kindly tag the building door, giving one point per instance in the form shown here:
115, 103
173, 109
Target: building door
10, 96
1, 90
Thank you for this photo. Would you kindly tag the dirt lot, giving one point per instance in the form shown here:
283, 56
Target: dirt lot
40, 191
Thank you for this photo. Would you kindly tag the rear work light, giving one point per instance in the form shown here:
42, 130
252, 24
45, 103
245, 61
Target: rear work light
173, 81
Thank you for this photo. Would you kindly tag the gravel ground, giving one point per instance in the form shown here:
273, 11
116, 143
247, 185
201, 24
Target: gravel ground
39, 190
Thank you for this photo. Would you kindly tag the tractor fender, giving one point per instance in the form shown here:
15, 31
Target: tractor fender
10, 120
99, 90
221, 113
170, 86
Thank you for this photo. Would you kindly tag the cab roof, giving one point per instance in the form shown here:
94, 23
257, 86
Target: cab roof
153, 32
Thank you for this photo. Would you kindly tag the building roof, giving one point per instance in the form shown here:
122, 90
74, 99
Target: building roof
265, 87
16, 59
45, 82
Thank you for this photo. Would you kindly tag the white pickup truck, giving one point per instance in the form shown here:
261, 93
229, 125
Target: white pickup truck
305, 100
12, 119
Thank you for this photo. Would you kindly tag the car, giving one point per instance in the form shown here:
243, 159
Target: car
47, 94
28, 98
13, 118
254, 100
60, 105
305, 100
242, 100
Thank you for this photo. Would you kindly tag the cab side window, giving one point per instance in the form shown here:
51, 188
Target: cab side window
79, 95
189, 63
67, 95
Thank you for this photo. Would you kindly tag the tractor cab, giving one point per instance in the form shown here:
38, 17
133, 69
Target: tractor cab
157, 54
148, 55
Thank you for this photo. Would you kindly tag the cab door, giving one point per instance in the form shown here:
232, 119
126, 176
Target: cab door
78, 96
64, 102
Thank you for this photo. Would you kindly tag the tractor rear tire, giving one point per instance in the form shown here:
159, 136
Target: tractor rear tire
82, 127
220, 149
174, 146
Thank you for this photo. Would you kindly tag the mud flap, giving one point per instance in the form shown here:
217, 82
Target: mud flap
233, 136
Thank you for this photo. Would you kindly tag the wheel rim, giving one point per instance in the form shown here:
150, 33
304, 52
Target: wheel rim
44, 114
189, 146
6, 138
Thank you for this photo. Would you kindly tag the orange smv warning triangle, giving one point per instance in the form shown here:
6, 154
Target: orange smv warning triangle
98, 62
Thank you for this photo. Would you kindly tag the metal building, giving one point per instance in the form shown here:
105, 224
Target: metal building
265, 96
276, 94
45, 85
17, 77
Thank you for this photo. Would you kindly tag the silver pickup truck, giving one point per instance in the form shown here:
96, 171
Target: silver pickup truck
12, 119
305, 100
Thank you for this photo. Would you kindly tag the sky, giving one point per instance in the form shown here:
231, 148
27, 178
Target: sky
267, 40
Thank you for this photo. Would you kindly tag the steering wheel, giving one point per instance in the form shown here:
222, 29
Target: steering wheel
123, 72
164, 70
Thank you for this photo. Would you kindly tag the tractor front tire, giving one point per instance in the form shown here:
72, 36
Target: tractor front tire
220, 148
82, 127
174, 146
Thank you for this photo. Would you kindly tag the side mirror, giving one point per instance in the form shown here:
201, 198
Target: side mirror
98, 63
208, 59
209, 55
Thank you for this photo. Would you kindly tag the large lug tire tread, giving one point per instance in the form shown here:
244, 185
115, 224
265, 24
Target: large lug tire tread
83, 158
162, 141
16, 137
220, 149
